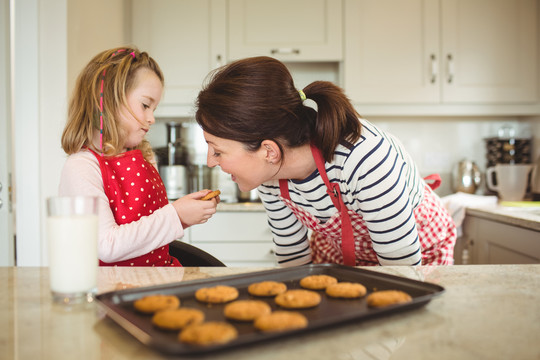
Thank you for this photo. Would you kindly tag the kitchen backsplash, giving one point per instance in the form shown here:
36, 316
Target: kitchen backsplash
436, 144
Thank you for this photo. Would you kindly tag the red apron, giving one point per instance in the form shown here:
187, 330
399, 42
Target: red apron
134, 189
344, 238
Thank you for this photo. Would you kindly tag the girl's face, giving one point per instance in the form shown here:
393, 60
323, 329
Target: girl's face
248, 169
142, 100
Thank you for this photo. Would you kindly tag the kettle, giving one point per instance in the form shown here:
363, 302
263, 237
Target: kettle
466, 177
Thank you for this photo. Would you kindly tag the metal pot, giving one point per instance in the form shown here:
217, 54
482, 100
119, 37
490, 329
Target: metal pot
247, 196
466, 177
175, 180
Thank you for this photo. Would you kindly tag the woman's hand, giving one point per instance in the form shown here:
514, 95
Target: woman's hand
192, 210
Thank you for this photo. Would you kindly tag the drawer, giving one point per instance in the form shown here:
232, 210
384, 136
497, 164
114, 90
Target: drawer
233, 226
240, 253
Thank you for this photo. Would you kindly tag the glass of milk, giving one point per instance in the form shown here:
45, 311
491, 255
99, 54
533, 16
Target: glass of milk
72, 233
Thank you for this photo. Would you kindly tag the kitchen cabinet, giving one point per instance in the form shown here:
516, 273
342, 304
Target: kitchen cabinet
494, 242
237, 238
187, 39
299, 30
441, 51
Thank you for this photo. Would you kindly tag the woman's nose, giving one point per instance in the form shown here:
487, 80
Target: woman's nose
210, 161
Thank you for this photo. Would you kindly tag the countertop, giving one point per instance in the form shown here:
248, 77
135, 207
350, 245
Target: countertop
528, 218
240, 206
486, 312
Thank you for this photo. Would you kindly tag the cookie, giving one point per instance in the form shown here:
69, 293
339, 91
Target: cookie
246, 310
347, 290
280, 321
387, 297
298, 299
152, 303
211, 195
317, 282
208, 333
267, 288
178, 318
217, 294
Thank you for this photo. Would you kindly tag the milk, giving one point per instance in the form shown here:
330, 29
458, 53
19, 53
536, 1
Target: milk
73, 256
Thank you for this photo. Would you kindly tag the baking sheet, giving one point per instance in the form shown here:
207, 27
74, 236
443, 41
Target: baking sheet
330, 312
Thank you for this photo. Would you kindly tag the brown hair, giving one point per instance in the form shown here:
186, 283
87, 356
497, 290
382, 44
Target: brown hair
120, 66
254, 99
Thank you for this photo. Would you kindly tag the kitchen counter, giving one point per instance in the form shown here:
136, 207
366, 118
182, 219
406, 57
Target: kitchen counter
528, 218
241, 206
486, 312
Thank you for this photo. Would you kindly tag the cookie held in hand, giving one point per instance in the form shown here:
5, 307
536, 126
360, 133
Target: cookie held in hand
211, 195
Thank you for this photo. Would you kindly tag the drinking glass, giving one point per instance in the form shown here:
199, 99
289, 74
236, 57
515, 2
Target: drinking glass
72, 233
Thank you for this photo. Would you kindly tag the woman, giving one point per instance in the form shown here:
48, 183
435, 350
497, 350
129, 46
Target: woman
319, 167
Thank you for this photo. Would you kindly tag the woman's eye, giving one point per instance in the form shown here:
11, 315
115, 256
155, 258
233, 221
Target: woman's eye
216, 154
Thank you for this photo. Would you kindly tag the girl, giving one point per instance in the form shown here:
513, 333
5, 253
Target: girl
323, 170
111, 110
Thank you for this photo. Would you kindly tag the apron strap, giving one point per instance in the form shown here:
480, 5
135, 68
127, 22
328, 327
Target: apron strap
284, 189
433, 180
347, 236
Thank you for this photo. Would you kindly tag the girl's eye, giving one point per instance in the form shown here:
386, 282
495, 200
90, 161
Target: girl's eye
145, 106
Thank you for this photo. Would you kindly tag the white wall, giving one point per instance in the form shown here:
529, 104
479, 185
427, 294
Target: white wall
94, 26
50, 48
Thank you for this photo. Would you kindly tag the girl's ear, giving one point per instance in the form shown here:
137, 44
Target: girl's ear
271, 151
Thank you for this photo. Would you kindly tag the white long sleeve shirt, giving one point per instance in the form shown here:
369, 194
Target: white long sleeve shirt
378, 180
81, 175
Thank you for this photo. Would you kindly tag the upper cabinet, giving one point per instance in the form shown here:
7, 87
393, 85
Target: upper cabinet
187, 39
398, 58
299, 30
441, 51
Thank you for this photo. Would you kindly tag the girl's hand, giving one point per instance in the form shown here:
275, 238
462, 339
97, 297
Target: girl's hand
192, 210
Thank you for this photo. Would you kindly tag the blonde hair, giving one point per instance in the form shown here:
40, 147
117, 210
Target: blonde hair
117, 67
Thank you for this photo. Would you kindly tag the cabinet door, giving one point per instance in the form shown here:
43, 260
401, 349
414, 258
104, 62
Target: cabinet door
187, 39
499, 243
290, 30
489, 50
392, 51
236, 238
233, 226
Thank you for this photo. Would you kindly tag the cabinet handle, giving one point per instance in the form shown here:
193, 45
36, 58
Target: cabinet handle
434, 68
450, 68
285, 51
219, 61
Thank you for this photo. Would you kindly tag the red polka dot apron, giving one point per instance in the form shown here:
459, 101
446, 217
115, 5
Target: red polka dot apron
344, 238
134, 189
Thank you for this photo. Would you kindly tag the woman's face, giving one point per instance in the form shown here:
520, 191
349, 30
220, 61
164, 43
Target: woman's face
248, 169
142, 100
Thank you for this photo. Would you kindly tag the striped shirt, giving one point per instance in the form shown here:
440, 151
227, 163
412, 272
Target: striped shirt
378, 180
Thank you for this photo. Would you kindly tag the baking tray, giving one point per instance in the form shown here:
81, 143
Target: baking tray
330, 312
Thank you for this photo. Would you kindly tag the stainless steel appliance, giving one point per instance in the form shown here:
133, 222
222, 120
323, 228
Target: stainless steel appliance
173, 165
183, 164
247, 196
466, 177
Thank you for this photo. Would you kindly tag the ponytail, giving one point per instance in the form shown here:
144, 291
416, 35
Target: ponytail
337, 120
